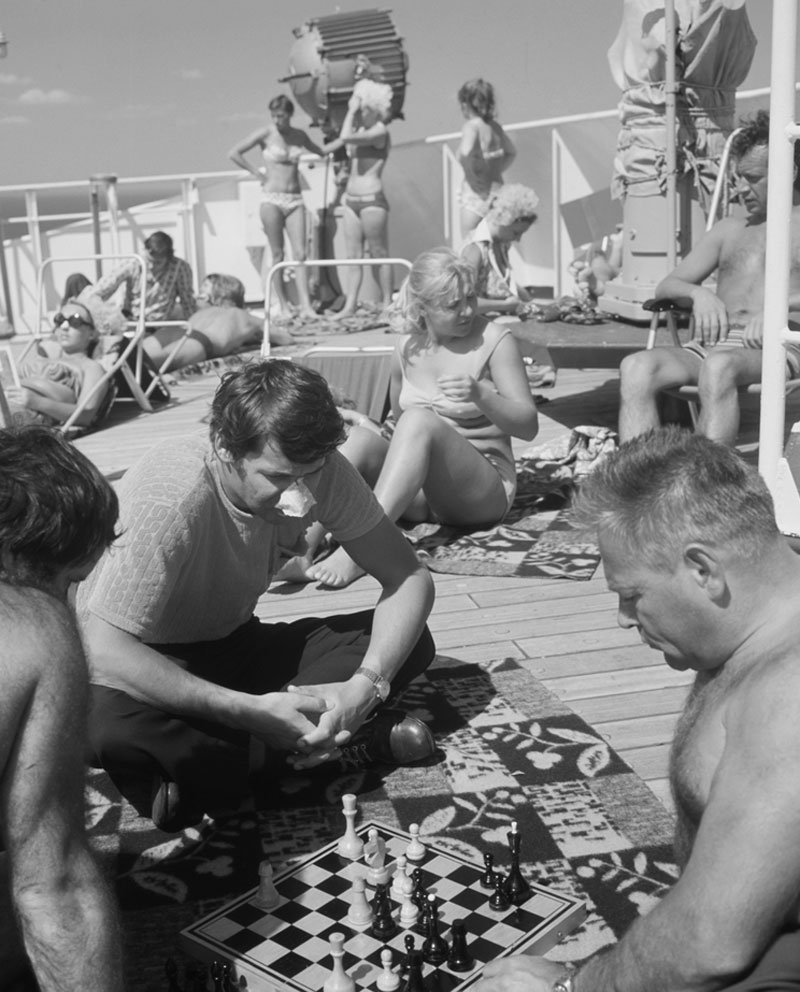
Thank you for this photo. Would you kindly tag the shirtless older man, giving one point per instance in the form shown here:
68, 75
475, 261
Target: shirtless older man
57, 515
726, 350
689, 544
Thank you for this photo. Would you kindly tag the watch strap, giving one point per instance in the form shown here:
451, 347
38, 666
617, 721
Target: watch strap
380, 684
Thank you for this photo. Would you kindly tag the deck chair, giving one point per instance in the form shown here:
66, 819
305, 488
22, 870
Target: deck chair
124, 366
361, 373
668, 310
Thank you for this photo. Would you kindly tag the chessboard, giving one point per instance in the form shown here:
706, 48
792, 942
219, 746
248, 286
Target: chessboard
288, 948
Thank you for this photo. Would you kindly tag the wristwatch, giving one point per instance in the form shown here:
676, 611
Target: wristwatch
567, 981
380, 685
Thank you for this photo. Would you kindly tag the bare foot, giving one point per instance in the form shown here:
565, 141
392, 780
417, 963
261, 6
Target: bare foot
306, 312
336, 571
295, 570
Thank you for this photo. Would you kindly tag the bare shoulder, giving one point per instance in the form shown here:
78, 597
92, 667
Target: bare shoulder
766, 702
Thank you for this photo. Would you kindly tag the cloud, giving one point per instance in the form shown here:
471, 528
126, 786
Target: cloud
14, 119
9, 79
189, 74
37, 96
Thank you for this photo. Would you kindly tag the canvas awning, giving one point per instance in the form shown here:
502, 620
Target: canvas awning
714, 47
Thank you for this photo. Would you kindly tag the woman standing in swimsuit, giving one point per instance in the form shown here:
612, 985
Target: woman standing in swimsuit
366, 211
485, 152
282, 208
458, 392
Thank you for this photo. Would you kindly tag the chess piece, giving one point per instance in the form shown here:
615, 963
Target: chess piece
388, 980
408, 943
359, 915
414, 981
459, 958
499, 901
216, 975
409, 910
487, 878
398, 876
434, 947
338, 980
419, 891
517, 887
350, 845
267, 897
383, 924
416, 850
378, 872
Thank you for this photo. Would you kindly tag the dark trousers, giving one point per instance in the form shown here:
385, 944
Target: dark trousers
210, 761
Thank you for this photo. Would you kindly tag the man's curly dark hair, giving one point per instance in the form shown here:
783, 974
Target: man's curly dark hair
754, 131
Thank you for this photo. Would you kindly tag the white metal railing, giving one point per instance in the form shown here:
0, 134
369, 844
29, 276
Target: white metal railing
316, 263
782, 135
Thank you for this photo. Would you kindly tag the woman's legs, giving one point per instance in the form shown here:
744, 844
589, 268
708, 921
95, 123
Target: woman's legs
354, 248
272, 222
375, 225
430, 472
296, 229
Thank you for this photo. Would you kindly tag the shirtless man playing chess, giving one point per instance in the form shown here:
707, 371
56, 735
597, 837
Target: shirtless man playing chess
690, 546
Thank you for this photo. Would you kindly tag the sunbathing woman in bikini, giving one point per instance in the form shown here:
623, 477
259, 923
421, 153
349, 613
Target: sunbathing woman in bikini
458, 392
282, 207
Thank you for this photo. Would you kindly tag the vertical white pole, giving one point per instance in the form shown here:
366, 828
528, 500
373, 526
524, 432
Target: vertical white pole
670, 120
778, 248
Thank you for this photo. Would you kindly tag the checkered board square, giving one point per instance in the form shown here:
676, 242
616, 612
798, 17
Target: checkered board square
288, 949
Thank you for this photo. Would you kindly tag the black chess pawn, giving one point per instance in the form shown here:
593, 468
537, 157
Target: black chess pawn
434, 947
408, 943
499, 901
216, 975
487, 878
379, 897
459, 958
419, 893
414, 981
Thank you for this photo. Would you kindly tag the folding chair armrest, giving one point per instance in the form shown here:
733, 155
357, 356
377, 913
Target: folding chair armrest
663, 305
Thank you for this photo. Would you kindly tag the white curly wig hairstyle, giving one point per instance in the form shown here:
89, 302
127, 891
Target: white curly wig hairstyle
513, 202
375, 96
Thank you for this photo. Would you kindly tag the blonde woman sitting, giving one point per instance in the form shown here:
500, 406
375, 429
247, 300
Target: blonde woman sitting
458, 393
511, 211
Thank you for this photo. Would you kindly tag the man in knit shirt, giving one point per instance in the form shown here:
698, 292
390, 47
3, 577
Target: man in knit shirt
187, 682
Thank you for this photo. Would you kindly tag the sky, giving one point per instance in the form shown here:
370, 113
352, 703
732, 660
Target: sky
158, 87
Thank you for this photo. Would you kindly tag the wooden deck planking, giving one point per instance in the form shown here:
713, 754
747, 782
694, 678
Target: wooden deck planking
563, 631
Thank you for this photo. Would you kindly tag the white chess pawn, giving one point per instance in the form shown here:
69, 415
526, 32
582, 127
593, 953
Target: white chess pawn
388, 980
416, 850
409, 911
338, 980
359, 915
399, 874
350, 844
267, 896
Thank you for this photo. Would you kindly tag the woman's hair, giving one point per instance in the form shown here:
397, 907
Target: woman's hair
437, 278
375, 96
278, 401
160, 241
74, 286
512, 202
225, 290
281, 102
478, 95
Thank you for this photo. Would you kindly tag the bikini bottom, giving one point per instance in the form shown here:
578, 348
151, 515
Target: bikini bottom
359, 203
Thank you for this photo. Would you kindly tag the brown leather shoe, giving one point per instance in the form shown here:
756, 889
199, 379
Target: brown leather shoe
170, 812
390, 737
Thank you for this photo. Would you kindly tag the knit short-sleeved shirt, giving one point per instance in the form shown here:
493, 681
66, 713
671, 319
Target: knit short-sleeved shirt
189, 565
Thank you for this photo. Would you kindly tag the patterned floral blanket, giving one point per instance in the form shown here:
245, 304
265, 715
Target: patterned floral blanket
508, 750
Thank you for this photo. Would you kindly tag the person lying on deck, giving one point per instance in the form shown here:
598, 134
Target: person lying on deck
725, 352
58, 919
196, 704
458, 393
689, 544
220, 326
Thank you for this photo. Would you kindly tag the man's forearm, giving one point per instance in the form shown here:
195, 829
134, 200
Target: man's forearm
400, 617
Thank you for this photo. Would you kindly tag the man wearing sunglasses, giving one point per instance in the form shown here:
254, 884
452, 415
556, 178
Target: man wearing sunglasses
168, 281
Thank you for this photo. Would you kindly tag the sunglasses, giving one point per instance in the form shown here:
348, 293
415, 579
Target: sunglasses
73, 319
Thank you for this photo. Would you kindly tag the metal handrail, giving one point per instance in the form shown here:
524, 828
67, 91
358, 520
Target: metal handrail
314, 263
